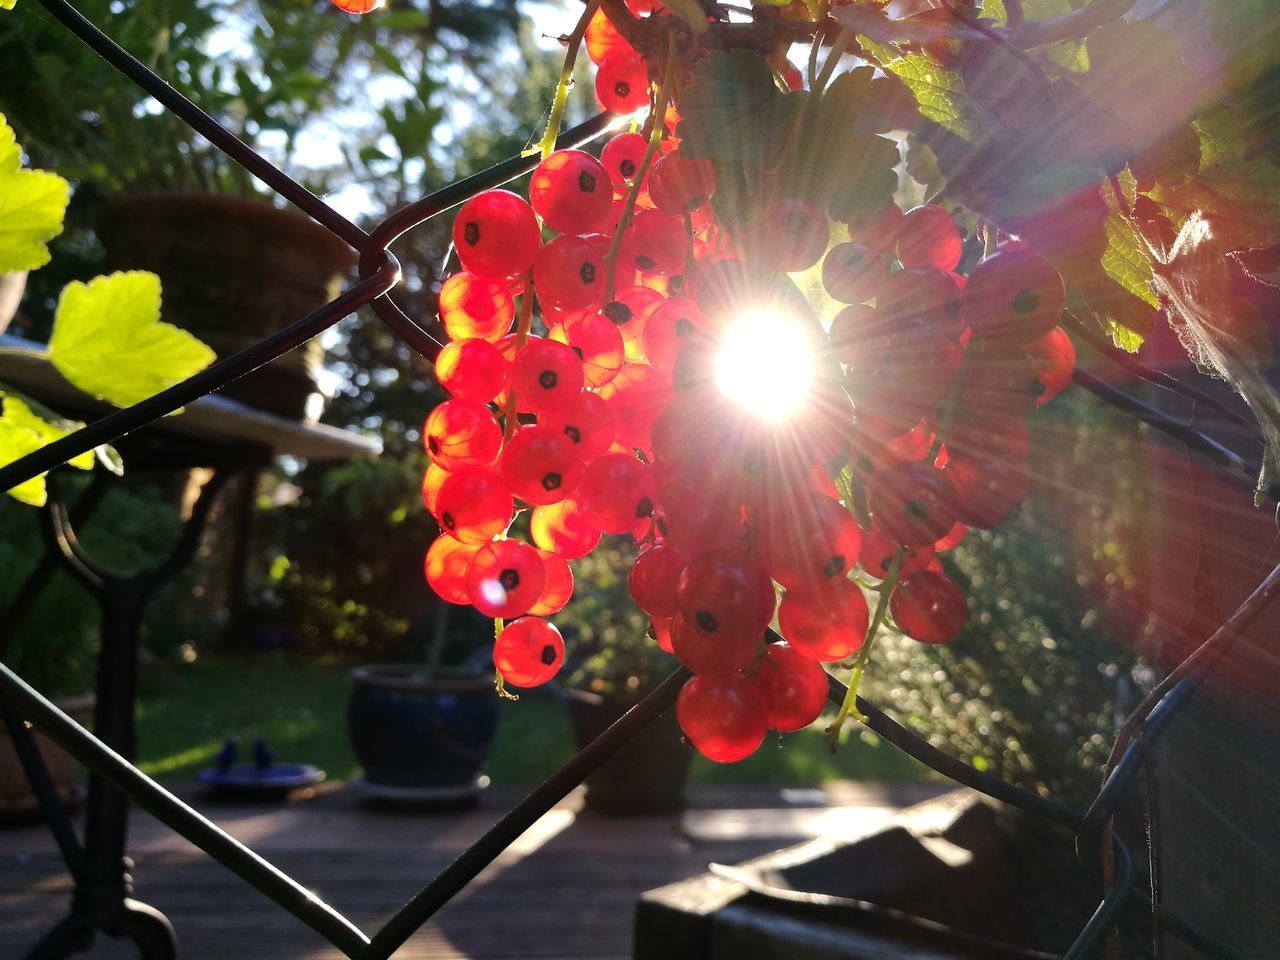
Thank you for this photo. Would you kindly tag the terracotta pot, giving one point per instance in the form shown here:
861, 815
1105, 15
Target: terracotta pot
17, 801
11, 287
233, 271
647, 776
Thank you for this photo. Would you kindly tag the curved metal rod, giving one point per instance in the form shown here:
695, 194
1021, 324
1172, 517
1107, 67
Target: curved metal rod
912, 745
115, 425
205, 125
522, 816
75, 557
1159, 378
187, 822
1230, 461
1108, 912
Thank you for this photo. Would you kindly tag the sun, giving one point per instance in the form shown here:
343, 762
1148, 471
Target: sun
765, 364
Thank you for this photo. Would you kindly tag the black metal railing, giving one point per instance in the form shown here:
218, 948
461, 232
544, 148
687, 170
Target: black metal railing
379, 272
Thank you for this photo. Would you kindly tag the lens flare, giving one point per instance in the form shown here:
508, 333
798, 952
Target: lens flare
766, 365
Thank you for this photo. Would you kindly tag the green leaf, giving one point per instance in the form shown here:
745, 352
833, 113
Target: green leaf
938, 90
45, 424
23, 432
32, 206
1125, 259
7, 4
109, 341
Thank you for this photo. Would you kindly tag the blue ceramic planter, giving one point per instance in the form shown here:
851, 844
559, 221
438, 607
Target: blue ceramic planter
412, 732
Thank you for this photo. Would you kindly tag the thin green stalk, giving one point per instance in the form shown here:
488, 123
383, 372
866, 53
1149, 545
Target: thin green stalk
849, 708
548, 142
522, 334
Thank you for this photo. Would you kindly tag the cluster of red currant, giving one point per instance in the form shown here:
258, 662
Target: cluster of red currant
604, 411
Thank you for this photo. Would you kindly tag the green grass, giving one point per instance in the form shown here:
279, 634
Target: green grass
299, 708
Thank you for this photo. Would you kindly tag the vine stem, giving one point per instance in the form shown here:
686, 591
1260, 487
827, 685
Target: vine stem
655, 139
547, 144
849, 707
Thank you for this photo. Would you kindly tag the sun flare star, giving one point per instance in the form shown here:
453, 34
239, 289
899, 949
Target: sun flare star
765, 364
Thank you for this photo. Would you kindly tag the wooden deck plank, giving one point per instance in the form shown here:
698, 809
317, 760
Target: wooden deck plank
566, 889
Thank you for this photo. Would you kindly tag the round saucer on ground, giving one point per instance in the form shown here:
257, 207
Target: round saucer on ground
443, 794
250, 778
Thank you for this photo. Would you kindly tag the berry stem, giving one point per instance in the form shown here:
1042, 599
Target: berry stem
655, 138
547, 144
499, 685
849, 708
522, 334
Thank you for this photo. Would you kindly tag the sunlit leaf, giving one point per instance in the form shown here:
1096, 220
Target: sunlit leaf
23, 432
32, 206
109, 341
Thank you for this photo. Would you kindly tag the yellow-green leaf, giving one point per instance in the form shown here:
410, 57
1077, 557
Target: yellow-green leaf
20, 414
32, 205
109, 341
16, 441
7, 4
1125, 259
938, 90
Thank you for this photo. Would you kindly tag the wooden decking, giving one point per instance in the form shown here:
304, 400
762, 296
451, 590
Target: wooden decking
566, 889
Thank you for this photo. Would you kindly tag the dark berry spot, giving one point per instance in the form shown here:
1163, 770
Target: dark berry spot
548, 655
1024, 301
627, 168
551, 481
586, 182
684, 328
548, 379
573, 433
617, 312
644, 508
706, 621
917, 511
471, 233
622, 88
853, 259
794, 223
447, 521
675, 285
578, 351
865, 465
510, 579
834, 566
433, 444
644, 263
587, 272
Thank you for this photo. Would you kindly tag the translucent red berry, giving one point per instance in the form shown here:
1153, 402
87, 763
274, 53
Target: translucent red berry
587, 422
622, 81
505, 578
528, 652
654, 243
472, 370
910, 502
473, 306
461, 433
655, 578
792, 687
792, 235
622, 156
540, 465
722, 716
571, 192
446, 568
562, 528
474, 505
558, 588
496, 234
545, 375
1015, 296
853, 273
928, 607
680, 185
928, 237
596, 341
616, 493
827, 624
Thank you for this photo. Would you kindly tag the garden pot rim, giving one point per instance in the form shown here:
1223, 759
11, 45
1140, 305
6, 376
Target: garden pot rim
413, 677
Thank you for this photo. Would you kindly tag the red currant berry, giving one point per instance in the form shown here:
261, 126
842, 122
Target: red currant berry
540, 465
877, 230
616, 493
654, 243
1015, 296
805, 539
877, 554
1052, 359
726, 594
928, 607
983, 492
569, 273
571, 192
505, 579
474, 505
496, 234
546, 376
827, 624
446, 568
432, 480
637, 396
792, 235
358, 7
475, 307
710, 653
587, 422
622, 157
596, 341
528, 652
928, 237
792, 687
669, 328
602, 37
655, 578
660, 631
562, 529
629, 311
558, 587
461, 433
472, 370
622, 81
911, 503
680, 185
722, 716
853, 273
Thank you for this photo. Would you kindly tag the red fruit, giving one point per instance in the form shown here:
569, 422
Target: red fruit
669, 327
505, 579
878, 231
1014, 296
654, 243
792, 235
853, 273
827, 624
928, 237
602, 37
621, 157
928, 607
461, 433
569, 273
910, 502
432, 480
571, 192
546, 376
496, 234
622, 81
984, 491
952, 538
597, 341
358, 7
616, 493
562, 529
1052, 359
540, 465
655, 579
723, 593
528, 652
472, 370
922, 302
588, 423
792, 687
629, 311
660, 630
558, 587
697, 516
710, 654
472, 306
637, 396
679, 184
446, 568
474, 505
806, 539
877, 553
722, 716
